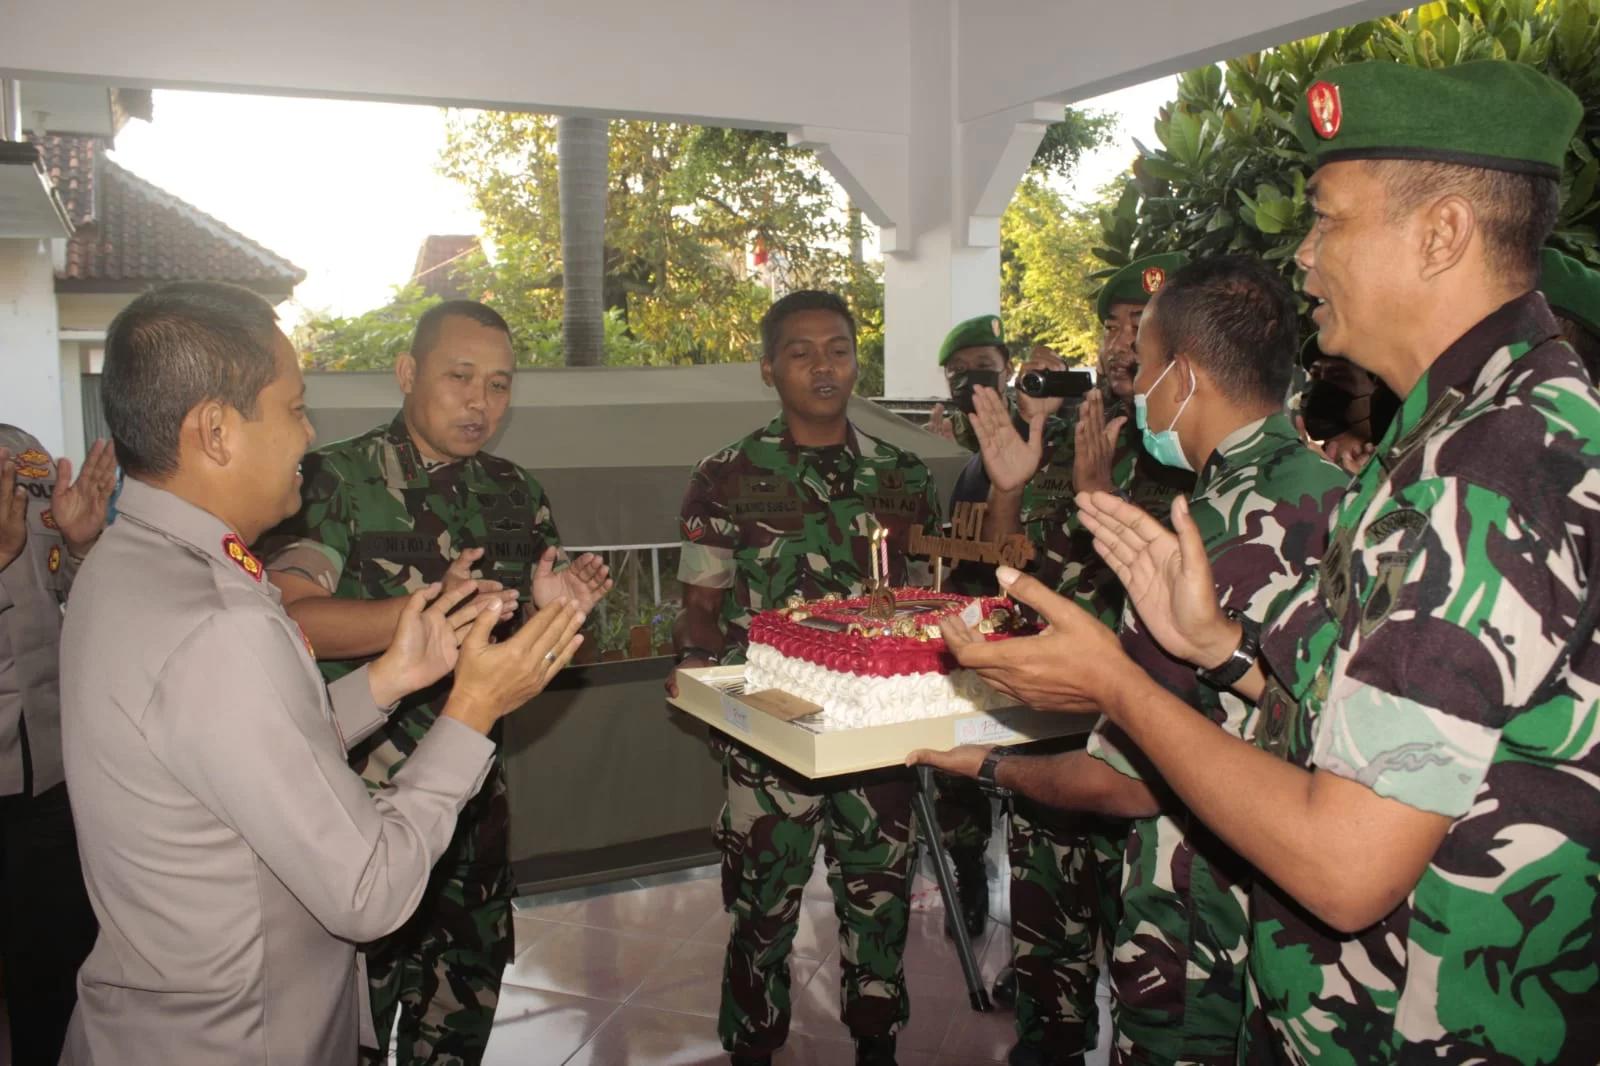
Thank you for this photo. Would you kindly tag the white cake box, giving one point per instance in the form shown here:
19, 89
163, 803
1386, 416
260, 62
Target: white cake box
715, 695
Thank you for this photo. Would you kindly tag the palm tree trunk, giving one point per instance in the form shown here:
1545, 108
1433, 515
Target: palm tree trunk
582, 152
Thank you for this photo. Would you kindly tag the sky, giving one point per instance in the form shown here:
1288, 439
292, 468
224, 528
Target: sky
347, 190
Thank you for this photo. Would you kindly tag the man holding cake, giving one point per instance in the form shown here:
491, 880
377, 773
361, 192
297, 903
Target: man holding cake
1420, 801
791, 511
1216, 348
1064, 866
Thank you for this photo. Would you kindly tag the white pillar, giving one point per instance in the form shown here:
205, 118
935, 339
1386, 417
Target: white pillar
936, 193
30, 353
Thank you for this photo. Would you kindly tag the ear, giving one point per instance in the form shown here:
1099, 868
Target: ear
1449, 225
1185, 376
208, 428
405, 372
766, 373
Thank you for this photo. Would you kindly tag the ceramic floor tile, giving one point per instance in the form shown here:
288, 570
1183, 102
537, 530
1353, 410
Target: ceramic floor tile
640, 1036
676, 910
818, 935
932, 963
715, 930
980, 1037
526, 930
580, 961
533, 1028
675, 877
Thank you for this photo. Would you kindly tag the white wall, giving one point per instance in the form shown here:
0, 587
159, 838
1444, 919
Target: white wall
74, 447
761, 62
1073, 49
30, 354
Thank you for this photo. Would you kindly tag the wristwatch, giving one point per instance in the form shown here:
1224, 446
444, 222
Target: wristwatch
991, 765
1238, 664
691, 652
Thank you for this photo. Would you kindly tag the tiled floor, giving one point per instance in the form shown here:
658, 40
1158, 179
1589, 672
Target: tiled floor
633, 978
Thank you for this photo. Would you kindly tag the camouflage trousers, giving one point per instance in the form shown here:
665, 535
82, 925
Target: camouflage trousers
1057, 918
768, 835
441, 971
965, 817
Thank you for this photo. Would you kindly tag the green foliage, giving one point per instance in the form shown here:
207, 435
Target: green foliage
368, 341
685, 205
1065, 142
1046, 255
1229, 174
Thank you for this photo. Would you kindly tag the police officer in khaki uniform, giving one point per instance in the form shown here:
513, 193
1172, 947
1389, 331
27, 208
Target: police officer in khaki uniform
232, 856
48, 522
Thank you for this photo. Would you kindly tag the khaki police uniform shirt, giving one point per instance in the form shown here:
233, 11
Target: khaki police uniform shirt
32, 589
232, 856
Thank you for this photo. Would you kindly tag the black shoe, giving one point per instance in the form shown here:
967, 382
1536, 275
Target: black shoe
751, 1060
1005, 987
1027, 1055
875, 1051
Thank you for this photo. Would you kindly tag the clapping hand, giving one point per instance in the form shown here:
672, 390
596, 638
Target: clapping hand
582, 584
461, 573
939, 423
13, 511
426, 642
1095, 445
492, 680
1071, 666
1166, 574
1009, 460
79, 507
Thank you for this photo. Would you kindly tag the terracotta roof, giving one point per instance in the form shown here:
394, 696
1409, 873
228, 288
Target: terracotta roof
133, 234
436, 259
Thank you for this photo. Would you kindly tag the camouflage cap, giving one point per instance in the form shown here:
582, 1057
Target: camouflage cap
1138, 281
985, 331
1489, 113
1571, 289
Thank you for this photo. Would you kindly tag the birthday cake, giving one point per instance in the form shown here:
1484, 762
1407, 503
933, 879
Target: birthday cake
873, 661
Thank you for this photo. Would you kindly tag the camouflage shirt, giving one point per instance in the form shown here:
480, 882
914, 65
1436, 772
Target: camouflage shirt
1067, 561
1444, 656
1178, 963
765, 519
376, 521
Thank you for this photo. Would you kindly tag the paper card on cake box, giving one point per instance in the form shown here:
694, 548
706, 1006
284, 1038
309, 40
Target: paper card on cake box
781, 705
716, 696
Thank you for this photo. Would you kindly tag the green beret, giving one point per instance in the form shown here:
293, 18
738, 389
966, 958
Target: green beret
1571, 289
1138, 281
1490, 113
984, 331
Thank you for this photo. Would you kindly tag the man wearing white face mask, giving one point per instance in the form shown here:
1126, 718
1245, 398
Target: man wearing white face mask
1215, 351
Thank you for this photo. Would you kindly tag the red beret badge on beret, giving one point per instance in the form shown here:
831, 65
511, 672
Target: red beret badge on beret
1153, 279
1322, 101
235, 549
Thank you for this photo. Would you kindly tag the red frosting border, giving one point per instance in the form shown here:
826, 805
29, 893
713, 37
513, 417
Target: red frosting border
880, 656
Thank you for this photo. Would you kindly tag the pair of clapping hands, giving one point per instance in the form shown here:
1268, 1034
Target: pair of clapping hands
447, 627
1077, 662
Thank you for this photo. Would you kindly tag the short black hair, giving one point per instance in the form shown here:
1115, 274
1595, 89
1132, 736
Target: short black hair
1517, 211
793, 304
432, 320
1236, 317
174, 348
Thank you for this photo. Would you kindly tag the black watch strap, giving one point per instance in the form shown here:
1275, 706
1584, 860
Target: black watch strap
990, 767
1243, 658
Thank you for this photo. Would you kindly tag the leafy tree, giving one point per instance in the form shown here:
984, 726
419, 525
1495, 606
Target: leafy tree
685, 205
1046, 257
368, 341
1229, 174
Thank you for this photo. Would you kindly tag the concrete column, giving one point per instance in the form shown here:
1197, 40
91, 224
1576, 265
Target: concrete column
30, 353
936, 194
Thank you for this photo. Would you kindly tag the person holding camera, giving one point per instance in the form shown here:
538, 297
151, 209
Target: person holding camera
1064, 865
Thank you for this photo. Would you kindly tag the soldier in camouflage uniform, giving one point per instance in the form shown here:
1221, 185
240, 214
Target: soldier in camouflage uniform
1065, 866
1178, 952
408, 504
1421, 799
788, 511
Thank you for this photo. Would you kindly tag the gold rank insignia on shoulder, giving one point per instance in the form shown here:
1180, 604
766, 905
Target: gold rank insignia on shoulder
55, 559
49, 520
307, 642
235, 549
